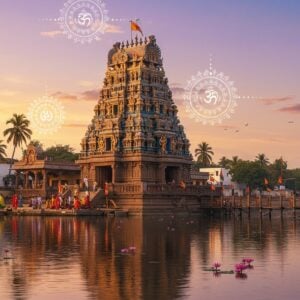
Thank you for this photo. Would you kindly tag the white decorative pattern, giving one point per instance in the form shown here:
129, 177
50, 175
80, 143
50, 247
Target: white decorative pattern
84, 20
46, 115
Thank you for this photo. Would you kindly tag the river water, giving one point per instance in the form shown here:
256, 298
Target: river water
80, 258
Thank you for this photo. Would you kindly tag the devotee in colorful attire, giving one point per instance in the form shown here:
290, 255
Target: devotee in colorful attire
2, 201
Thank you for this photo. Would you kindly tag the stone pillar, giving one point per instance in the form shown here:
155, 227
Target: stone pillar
161, 174
113, 173
17, 179
26, 180
35, 179
44, 179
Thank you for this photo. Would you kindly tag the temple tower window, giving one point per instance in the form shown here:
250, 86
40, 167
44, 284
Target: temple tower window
116, 110
108, 144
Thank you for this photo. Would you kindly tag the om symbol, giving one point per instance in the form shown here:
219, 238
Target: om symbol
211, 97
46, 116
85, 19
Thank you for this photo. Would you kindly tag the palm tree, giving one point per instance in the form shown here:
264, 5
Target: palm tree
204, 153
224, 162
234, 162
262, 159
18, 133
2, 150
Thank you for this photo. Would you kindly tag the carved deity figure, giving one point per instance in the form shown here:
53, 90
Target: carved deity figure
101, 145
31, 156
163, 144
114, 143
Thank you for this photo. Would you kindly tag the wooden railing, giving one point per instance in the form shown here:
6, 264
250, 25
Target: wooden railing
266, 202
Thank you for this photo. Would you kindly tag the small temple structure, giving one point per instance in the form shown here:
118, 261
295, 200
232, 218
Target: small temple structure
135, 142
37, 175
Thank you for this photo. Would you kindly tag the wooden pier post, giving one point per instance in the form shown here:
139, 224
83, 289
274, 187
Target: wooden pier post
294, 204
281, 205
248, 204
260, 204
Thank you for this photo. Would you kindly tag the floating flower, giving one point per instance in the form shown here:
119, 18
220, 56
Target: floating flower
249, 261
216, 266
239, 268
132, 249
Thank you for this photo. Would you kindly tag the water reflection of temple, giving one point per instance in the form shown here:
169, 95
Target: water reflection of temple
50, 248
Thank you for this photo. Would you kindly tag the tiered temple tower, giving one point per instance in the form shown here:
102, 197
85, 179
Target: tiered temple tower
135, 139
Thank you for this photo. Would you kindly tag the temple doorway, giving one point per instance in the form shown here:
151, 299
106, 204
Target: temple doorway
103, 174
171, 174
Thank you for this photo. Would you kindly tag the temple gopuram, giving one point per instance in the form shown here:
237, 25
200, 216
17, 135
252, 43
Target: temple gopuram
135, 143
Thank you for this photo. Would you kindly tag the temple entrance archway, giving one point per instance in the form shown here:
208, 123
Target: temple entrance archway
104, 174
171, 174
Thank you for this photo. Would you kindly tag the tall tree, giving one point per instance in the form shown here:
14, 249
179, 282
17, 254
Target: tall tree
19, 132
37, 144
2, 151
61, 153
250, 173
262, 159
224, 162
278, 168
234, 162
204, 154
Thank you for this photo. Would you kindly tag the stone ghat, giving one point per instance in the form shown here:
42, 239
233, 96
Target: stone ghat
63, 212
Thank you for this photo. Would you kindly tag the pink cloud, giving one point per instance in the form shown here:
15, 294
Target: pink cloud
293, 109
64, 96
75, 125
90, 95
51, 34
271, 101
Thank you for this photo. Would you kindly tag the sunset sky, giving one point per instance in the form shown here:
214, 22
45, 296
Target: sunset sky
255, 42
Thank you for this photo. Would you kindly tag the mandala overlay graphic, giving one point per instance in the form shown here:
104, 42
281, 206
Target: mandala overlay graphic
210, 97
83, 20
46, 115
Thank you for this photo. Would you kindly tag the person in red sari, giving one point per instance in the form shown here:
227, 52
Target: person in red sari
76, 202
87, 202
52, 205
14, 201
57, 202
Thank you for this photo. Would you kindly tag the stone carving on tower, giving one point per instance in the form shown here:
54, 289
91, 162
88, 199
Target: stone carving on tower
135, 129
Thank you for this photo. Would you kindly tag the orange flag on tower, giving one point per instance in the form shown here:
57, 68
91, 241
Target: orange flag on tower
280, 180
135, 27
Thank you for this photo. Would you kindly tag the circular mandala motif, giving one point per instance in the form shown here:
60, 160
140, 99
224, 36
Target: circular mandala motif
46, 115
210, 97
84, 20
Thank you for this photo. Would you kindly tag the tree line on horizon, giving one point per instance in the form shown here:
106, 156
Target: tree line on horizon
256, 173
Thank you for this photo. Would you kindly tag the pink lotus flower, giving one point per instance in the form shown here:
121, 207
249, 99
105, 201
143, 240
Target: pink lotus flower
239, 268
216, 266
248, 261
132, 248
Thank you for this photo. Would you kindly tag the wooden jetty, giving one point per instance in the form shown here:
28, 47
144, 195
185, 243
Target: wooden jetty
248, 204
